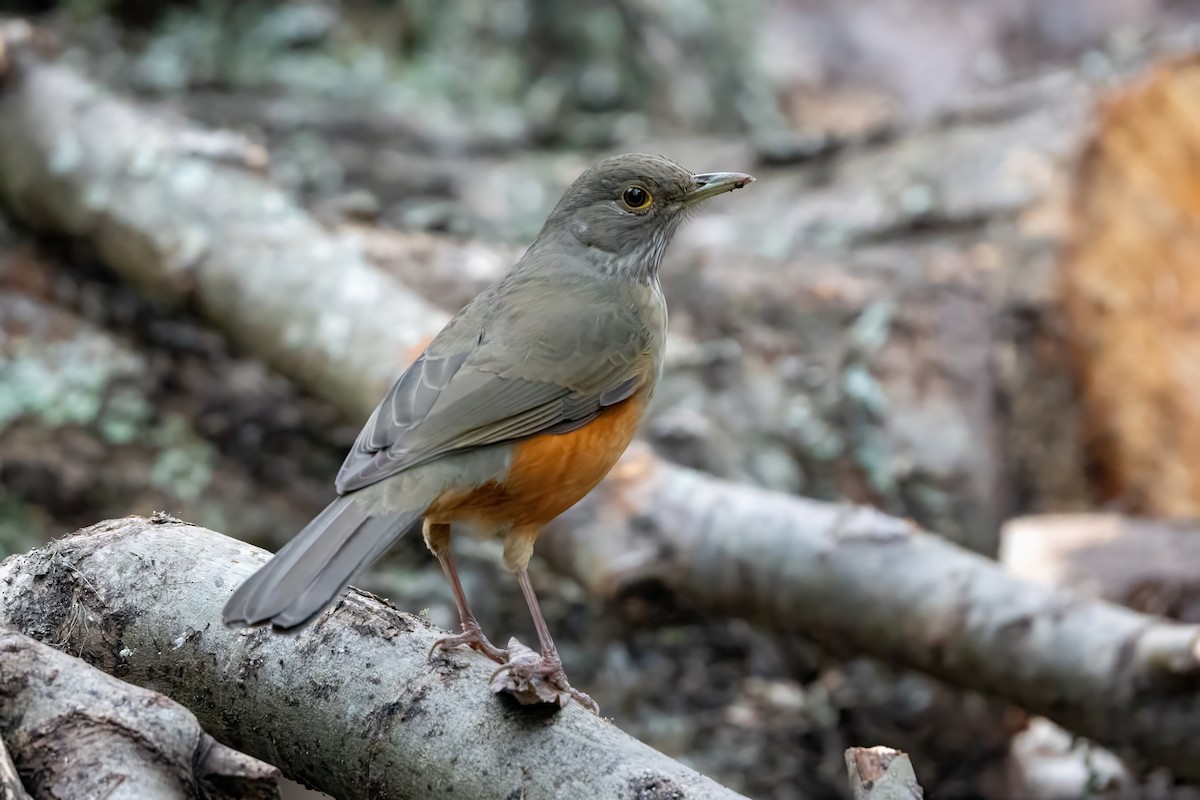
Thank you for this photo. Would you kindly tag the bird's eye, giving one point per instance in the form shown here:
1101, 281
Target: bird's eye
635, 197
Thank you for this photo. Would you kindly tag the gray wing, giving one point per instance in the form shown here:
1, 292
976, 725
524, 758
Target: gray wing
537, 379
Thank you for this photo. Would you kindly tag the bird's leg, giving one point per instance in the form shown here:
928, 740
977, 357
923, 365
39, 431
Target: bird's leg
437, 538
472, 633
533, 678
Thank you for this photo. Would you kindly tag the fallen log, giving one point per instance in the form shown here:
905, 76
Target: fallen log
351, 704
851, 578
187, 216
857, 580
77, 732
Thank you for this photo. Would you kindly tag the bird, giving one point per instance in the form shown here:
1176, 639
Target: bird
515, 411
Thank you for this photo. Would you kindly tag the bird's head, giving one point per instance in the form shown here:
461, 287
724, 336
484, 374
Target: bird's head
625, 209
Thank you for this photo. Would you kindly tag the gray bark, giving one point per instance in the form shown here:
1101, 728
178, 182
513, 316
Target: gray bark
162, 204
856, 579
881, 773
351, 704
77, 732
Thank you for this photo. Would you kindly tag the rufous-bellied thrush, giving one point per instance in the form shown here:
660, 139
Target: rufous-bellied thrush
513, 413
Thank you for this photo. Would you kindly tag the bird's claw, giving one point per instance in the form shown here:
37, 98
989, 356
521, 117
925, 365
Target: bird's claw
472, 636
536, 678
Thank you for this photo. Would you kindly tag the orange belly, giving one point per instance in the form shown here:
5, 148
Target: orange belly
548, 475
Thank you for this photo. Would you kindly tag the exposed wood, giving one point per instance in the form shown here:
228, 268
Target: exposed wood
881, 773
77, 732
1147, 565
1131, 292
350, 704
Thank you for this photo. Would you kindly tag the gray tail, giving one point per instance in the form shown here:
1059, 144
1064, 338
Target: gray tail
314, 567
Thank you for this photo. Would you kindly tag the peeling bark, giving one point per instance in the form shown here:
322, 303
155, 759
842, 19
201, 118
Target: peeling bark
855, 579
77, 732
351, 704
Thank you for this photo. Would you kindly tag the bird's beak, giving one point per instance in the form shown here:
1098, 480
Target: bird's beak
711, 184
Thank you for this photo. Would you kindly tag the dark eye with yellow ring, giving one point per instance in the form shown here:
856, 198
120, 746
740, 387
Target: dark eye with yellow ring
635, 197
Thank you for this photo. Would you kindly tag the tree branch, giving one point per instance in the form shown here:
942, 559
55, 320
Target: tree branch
854, 578
159, 208
351, 704
80, 733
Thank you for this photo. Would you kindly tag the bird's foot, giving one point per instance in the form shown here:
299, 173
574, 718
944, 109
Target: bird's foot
532, 678
472, 636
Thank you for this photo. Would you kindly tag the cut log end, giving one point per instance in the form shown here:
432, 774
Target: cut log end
1131, 293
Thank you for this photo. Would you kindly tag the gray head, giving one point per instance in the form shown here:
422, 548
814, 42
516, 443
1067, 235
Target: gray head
625, 209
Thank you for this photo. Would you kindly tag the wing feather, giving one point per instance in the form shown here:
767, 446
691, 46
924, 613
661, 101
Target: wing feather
481, 393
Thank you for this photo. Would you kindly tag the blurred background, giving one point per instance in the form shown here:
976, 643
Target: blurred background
961, 291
